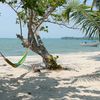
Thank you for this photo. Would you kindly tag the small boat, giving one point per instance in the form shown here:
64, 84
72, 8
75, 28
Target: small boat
91, 44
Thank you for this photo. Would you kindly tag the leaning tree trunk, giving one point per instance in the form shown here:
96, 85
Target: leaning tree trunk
39, 48
35, 43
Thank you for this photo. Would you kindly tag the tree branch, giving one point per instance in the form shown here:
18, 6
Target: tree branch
61, 24
17, 15
50, 10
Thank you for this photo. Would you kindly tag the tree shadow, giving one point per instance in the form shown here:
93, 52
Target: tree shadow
96, 57
32, 88
85, 97
83, 92
86, 94
39, 87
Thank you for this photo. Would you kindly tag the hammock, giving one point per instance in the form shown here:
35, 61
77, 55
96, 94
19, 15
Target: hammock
19, 62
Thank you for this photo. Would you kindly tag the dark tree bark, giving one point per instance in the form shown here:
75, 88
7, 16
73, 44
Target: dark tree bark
39, 48
48, 59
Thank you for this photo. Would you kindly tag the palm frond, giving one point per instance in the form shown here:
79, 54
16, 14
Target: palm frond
97, 4
68, 8
88, 20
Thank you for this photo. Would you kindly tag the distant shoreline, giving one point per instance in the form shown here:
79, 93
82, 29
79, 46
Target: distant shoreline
82, 38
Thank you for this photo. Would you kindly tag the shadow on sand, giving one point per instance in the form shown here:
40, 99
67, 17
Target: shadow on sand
41, 88
96, 58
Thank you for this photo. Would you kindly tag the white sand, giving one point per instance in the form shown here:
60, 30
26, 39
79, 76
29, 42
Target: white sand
80, 82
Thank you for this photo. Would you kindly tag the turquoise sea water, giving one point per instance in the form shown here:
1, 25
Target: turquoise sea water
13, 47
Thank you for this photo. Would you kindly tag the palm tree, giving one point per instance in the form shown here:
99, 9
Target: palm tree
94, 18
84, 16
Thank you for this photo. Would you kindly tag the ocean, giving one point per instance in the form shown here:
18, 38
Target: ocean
13, 47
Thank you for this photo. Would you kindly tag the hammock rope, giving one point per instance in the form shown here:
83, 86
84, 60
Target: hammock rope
20, 62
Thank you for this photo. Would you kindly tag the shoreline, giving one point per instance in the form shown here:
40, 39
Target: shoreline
61, 53
68, 53
80, 59
81, 82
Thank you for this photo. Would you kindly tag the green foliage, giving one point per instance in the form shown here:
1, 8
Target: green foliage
22, 17
97, 4
31, 4
56, 3
44, 28
56, 17
52, 63
40, 6
88, 20
2, 1
69, 8
39, 9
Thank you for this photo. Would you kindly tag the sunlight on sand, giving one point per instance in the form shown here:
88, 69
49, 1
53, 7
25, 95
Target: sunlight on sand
80, 82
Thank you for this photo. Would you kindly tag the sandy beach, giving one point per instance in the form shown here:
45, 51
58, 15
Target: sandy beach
80, 82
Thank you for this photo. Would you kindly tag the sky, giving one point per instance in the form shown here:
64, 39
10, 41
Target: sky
9, 28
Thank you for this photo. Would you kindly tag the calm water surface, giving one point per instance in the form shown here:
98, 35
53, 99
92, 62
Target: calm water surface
13, 47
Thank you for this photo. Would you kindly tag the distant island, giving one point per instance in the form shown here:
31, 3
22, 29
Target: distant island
78, 38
